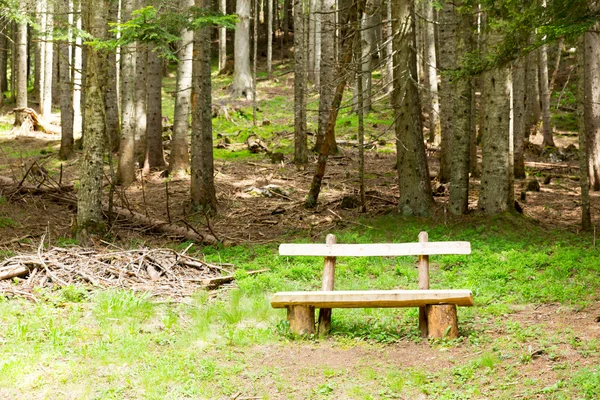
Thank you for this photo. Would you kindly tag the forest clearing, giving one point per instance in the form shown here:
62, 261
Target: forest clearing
140, 261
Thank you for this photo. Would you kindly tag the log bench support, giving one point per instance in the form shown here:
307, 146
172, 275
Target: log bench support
437, 308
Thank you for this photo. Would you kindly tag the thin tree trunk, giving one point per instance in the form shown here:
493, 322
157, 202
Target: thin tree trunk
446, 62
126, 167
242, 78
112, 94
519, 117
358, 57
327, 74
77, 72
533, 93
66, 90
318, 43
343, 71
588, 94
270, 39
89, 195
39, 54
559, 49
545, 96
433, 105
21, 67
300, 80
46, 104
461, 108
368, 49
222, 38
496, 182
591, 104
389, 62
413, 173
203, 191
179, 160
141, 98
254, 60
4, 34
154, 149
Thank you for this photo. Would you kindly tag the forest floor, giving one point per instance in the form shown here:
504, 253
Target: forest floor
535, 332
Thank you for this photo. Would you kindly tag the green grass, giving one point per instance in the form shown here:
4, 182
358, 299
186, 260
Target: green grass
116, 344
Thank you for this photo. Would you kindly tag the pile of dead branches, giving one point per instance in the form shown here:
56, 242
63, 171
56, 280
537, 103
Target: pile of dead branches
162, 272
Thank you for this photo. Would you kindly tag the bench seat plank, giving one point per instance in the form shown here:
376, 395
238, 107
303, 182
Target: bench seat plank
372, 298
379, 249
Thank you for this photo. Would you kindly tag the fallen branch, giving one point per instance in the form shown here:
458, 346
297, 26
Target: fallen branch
215, 282
38, 124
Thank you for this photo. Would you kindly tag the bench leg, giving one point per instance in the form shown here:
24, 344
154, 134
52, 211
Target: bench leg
302, 319
442, 321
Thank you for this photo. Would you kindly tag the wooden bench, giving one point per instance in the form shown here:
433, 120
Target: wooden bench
437, 308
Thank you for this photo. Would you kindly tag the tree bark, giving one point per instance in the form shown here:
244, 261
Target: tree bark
548, 140
433, 105
496, 182
368, 49
413, 173
4, 35
126, 167
203, 191
446, 62
591, 105
270, 39
327, 68
77, 71
300, 80
533, 93
154, 149
21, 67
141, 101
461, 109
112, 98
179, 160
46, 104
588, 96
242, 78
222, 37
66, 89
519, 117
89, 195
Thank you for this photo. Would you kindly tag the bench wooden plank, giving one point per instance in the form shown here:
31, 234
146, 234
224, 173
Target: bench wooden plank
372, 298
379, 249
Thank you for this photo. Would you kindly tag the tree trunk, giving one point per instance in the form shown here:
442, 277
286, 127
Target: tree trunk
270, 39
545, 96
112, 94
66, 90
222, 40
203, 191
126, 167
446, 62
77, 68
461, 109
300, 80
179, 160
359, 54
588, 96
519, 117
154, 149
141, 100
368, 49
591, 104
39, 53
242, 78
21, 67
533, 93
89, 195
389, 61
433, 106
413, 173
327, 74
496, 182
4, 35
46, 104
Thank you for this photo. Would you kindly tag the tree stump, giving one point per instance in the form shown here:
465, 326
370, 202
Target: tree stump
442, 321
302, 319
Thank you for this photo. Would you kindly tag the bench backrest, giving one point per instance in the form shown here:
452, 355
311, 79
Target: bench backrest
377, 249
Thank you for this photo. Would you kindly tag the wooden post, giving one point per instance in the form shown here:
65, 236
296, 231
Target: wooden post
442, 321
423, 265
328, 278
302, 319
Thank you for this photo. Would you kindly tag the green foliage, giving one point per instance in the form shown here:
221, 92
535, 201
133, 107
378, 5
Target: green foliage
162, 27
